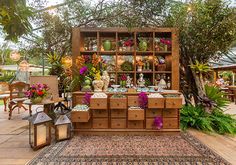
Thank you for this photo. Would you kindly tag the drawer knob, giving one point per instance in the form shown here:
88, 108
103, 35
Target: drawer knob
78, 117
99, 124
136, 116
155, 103
135, 124
118, 104
118, 124
173, 103
153, 112
97, 104
135, 102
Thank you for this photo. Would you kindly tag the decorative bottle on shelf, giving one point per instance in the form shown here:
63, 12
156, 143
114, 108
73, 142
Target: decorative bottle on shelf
168, 82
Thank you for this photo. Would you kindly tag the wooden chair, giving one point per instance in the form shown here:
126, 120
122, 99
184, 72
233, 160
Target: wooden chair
17, 96
4, 93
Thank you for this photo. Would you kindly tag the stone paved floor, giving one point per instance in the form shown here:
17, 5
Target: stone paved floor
15, 149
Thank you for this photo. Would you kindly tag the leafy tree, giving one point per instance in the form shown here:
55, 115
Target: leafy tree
207, 29
14, 18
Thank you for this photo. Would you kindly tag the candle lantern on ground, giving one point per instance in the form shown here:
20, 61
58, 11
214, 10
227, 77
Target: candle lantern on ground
62, 127
39, 130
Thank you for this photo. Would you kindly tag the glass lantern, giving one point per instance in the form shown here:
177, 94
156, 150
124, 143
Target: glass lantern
62, 128
39, 130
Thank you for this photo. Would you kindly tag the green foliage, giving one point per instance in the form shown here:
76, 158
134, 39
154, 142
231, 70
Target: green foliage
200, 67
6, 76
196, 117
126, 66
214, 94
14, 17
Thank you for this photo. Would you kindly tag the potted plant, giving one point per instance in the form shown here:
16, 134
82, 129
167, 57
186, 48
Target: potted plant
140, 65
123, 79
37, 92
142, 44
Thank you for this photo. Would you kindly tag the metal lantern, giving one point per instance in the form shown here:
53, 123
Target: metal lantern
15, 56
39, 130
67, 62
62, 128
24, 66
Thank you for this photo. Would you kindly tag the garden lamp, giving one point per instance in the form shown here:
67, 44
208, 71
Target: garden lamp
62, 128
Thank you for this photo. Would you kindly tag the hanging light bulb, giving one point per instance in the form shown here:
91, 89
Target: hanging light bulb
15, 56
24, 66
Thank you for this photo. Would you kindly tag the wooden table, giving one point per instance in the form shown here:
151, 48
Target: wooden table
47, 104
233, 88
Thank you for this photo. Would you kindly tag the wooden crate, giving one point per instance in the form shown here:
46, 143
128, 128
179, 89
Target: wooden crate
85, 125
173, 102
100, 123
135, 124
80, 116
170, 123
100, 113
118, 123
98, 103
170, 112
133, 101
136, 114
156, 102
153, 112
118, 113
118, 103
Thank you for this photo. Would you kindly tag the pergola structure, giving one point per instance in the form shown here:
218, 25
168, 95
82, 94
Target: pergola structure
232, 68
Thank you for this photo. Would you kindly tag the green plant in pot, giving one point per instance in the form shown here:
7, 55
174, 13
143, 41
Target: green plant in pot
142, 44
127, 66
123, 79
107, 45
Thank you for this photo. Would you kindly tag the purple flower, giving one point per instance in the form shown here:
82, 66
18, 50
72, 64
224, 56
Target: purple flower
83, 70
143, 100
158, 122
86, 99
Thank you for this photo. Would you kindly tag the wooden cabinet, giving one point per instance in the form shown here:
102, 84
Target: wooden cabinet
170, 123
153, 112
135, 124
156, 102
100, 123
100, 113
136, 114
133, 101
149, 123
85, 125
118, 103
118, 113
170, 112
98, 103
80, 116
172, 102
118, 123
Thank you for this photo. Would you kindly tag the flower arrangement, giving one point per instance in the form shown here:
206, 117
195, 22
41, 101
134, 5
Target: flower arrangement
140, 63
123, 77
128, 43
91, 67
86, 99
37, 91
165, 41
126, 66
143, 100
158, 122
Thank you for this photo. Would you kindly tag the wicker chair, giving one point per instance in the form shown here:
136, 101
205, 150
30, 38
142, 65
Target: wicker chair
4, 93
17, 97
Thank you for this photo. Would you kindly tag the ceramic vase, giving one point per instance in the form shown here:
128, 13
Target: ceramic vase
107, 45
98, 85
142, 45
36, 100
140, 68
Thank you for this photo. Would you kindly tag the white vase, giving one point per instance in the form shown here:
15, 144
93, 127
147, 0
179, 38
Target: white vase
98, 85
140, 68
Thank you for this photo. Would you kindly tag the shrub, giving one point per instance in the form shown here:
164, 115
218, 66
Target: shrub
196, 117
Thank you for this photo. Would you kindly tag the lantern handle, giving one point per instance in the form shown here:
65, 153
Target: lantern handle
39, 108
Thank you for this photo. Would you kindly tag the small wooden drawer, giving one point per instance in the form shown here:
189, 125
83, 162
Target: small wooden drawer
80, 116
156, 102
135, 124
100, 113
100, 123
98, 103
118, 103
85, 125
170, 112
173, 102
118, 123
77, 99
170, 123
136, 114
133, 101
118, 113
149, 123
153, 112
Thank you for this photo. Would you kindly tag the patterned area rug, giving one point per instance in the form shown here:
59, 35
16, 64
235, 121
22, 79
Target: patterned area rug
129, 149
